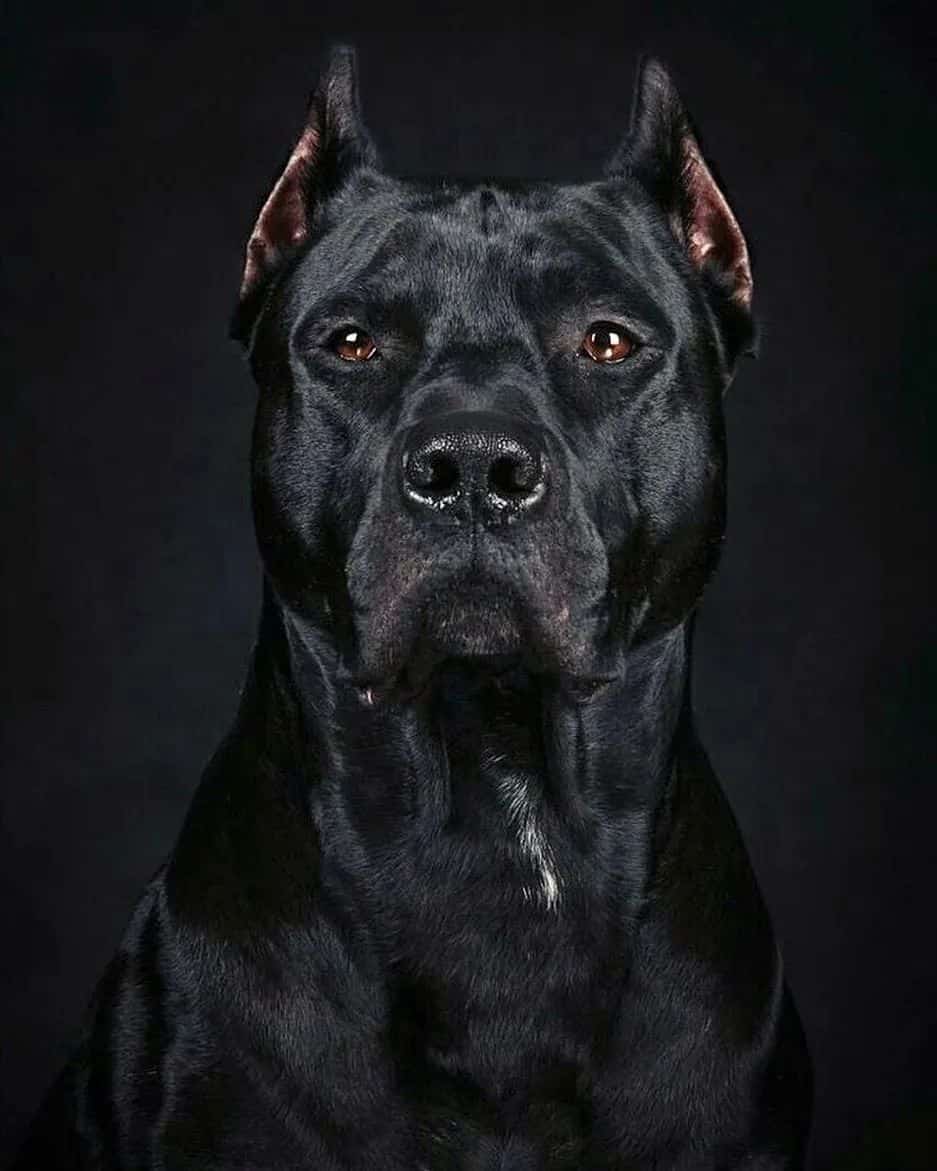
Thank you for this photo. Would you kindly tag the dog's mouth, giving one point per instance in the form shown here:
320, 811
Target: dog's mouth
536, 599
484, 630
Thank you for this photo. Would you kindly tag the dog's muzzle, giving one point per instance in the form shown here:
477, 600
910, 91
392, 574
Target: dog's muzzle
475, 547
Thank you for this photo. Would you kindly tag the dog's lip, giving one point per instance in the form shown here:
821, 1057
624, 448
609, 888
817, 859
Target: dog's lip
581, 689
375, 692
403, 686
406, 678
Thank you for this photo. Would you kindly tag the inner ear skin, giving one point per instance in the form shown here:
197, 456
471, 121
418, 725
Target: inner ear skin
713, 235
662, 154
283, 222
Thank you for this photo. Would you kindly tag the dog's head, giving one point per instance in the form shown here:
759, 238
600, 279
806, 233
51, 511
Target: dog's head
490, 420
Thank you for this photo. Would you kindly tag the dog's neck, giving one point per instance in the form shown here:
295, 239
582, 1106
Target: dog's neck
476, 755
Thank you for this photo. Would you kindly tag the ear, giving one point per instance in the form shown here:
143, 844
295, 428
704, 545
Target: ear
333, 143
663, 154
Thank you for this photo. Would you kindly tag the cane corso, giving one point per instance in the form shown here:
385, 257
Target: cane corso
459, 889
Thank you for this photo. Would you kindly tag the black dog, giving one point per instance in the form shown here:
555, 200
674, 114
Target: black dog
459, 889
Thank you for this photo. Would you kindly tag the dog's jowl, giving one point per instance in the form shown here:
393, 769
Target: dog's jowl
459, 889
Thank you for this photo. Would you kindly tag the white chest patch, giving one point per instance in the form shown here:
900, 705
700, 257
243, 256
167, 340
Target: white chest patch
523, 818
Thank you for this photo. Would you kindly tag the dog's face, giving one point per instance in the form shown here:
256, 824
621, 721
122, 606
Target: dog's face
490, 416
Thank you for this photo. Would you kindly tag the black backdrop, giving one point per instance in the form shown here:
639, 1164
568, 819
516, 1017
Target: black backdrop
139, 147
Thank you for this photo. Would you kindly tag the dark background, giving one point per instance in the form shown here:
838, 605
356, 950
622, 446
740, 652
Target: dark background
139, 146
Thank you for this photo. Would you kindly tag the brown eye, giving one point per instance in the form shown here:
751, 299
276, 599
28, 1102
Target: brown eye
353, 344
607, 342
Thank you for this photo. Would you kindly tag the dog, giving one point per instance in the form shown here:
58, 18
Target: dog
459, 889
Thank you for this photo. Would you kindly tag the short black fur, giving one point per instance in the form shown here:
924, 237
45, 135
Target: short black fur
459, 889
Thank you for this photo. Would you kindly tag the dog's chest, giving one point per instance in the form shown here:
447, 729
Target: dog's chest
501, 1000
496, 1048
504, 952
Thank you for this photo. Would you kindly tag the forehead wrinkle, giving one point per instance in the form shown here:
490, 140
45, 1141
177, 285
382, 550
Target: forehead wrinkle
366, 259
435, 230
464, 268
605, 254
432, 251
569, 224
479, 307
637, 235
354, 246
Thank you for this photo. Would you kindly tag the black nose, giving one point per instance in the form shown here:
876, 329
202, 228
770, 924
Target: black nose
473, 463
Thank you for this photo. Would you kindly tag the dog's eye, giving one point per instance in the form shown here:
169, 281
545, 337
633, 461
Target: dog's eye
353, 344
605, 341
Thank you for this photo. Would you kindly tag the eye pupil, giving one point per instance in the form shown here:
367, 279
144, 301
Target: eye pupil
354, 345
607, 342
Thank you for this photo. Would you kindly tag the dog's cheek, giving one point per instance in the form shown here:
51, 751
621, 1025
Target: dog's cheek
294, 454
387, 572
680, 500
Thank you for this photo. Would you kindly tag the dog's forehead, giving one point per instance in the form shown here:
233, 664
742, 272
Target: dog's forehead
435, 243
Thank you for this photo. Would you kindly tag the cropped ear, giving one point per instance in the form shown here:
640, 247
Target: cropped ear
663, 154
332, 144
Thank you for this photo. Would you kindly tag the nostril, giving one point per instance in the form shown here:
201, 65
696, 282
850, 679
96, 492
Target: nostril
513, 478
434, 473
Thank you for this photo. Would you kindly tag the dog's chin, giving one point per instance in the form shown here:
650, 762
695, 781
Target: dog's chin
470, 633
